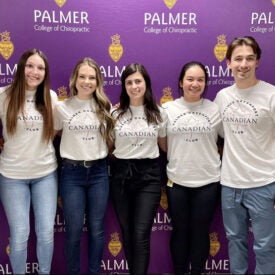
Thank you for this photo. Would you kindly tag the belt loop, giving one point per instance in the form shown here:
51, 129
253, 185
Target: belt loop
85, 165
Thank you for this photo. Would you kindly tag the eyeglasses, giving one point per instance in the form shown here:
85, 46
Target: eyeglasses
33, 67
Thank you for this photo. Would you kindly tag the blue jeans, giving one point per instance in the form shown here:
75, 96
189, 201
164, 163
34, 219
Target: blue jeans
17, 196
83, 187
238, 205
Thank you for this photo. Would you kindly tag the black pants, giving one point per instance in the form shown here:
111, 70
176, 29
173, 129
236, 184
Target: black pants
135, 191
191, 211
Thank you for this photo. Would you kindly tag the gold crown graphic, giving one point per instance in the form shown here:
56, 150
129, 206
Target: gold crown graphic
167, 91
220, 48
115, 39
170, 3
221, 39
6, 46
213, 237
5, 36
214, 244
115, 237
115, 244
60, 3
115, 49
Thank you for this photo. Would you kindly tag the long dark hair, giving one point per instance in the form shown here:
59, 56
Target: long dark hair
151, 109
188, 66
16, 94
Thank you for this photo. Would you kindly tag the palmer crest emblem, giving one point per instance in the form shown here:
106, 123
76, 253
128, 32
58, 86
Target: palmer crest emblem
114, 245
220, 48
6, 46
60, 3
115, 49
170, 3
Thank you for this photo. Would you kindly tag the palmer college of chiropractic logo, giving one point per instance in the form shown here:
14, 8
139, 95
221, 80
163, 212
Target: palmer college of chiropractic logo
166, 95
163, 199
215, 245
6, 45
220, 48
170, 3
8, 248
62, 93
60, 3
115, 49
115, 244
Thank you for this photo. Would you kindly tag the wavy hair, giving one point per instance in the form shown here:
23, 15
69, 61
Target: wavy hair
16, 94
103, 105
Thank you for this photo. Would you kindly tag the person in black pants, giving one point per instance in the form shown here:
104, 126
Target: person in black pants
193, 169
135, 181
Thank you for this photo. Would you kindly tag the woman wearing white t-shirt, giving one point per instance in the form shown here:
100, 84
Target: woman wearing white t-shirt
28, 162
87, 128
193, 169
135, 184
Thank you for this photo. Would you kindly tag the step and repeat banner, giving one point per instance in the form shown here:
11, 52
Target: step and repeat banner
160, 34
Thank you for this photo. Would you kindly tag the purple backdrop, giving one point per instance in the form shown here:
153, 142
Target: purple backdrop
161, 34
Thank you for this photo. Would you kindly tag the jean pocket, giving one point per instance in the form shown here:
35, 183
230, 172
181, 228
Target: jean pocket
228, 197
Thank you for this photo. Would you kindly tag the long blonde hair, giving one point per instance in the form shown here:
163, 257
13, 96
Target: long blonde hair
103, 104
16, 94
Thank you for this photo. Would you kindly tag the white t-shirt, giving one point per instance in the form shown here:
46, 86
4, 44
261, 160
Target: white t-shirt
81, 138
25, 155
248, 117
192, 132
134, 138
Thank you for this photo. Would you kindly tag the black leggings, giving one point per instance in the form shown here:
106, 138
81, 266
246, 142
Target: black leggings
191, 211
135, 191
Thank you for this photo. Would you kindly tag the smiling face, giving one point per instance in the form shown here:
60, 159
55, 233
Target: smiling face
243, 64
34, 72
136, 87
86, 82
193, 83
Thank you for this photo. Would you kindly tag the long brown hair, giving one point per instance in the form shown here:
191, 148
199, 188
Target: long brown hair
151, 109
103, 104
16, 94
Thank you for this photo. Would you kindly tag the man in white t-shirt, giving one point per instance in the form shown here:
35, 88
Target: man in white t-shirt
248, 167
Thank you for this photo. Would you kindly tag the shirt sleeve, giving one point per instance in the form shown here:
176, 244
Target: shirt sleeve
163, 124
58, 123
54, 98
